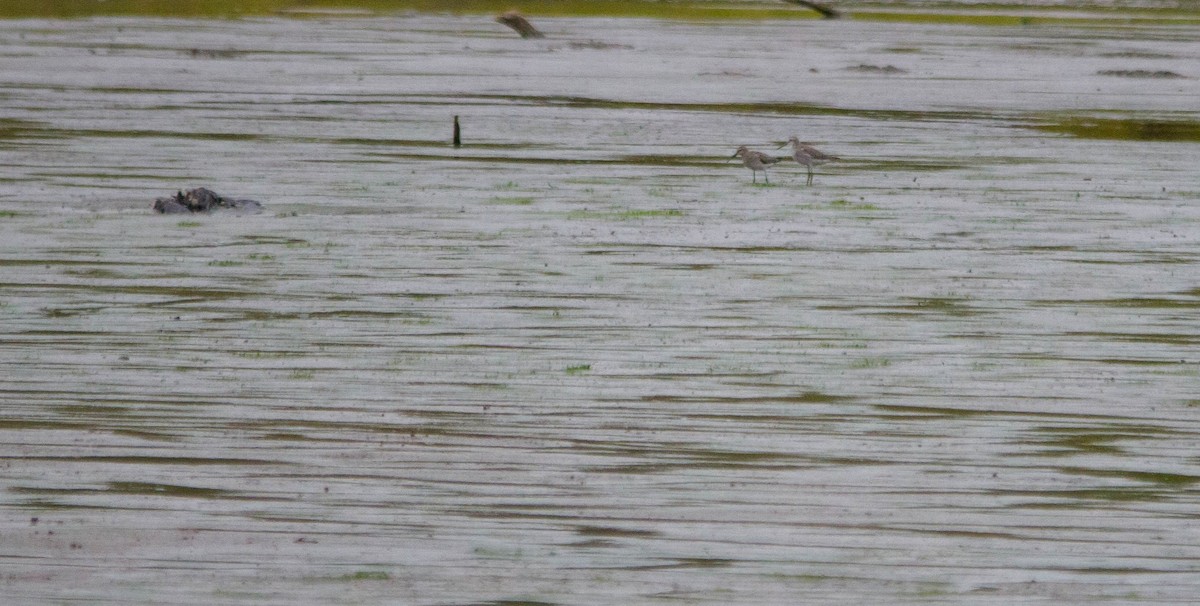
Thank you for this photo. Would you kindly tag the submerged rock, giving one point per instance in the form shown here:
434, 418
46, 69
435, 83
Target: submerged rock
202, 200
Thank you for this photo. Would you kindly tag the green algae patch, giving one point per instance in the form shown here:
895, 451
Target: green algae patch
17, 129
1145, 477
1126, 129
133, 488
616, 532
769, 108
164, 8
987, 15
1073, 444
367, 575
699, 10
626, 215
512, 201
640, 214
1023, 15
1127, 302
815, 397
166, 490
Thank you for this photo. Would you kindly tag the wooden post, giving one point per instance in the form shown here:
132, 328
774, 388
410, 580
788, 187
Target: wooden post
457, 133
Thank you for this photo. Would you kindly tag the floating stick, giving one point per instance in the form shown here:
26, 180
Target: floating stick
826, 12
518, 22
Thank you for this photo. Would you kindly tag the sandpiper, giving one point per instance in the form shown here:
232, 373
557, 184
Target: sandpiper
755, 161
808, 155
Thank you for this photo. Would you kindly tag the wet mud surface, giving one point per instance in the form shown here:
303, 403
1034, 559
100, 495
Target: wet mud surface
581, 359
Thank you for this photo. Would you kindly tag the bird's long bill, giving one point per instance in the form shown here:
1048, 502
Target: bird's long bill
783, 145
732, 157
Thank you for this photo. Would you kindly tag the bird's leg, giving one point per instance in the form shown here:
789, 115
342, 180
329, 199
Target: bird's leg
810, 175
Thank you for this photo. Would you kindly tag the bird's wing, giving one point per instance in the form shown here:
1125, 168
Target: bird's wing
816, 153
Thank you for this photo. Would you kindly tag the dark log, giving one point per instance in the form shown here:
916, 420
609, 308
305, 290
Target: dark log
518, 22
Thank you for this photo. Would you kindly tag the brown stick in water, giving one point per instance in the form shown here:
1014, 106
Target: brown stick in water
519, 23
826, 12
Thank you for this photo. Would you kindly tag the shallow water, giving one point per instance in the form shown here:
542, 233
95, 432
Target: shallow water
583, 359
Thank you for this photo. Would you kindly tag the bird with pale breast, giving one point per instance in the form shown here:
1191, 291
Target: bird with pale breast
755, 161
809, 156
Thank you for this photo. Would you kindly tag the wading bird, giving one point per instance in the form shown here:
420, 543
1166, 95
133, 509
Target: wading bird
755, 161
808, 155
